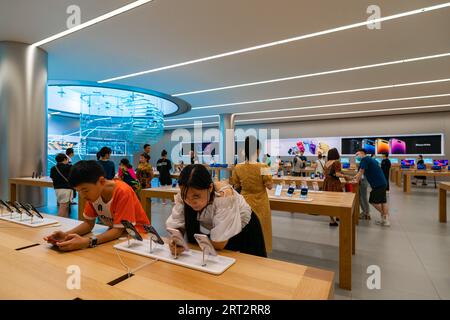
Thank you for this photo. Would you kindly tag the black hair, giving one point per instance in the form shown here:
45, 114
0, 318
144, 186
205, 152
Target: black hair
103, 152
163, 153
126, 163
362, 150
146, 145
60, 157
146, 156
251, 142
85, 171
198, 177
386, 154
69, 151
420, 156
333, 154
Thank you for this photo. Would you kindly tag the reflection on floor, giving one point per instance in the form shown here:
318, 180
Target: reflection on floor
413, 254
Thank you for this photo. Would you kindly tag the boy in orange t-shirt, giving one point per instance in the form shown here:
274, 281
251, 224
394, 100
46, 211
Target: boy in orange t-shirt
109, 200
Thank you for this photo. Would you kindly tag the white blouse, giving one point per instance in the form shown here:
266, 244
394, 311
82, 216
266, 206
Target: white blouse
223, 219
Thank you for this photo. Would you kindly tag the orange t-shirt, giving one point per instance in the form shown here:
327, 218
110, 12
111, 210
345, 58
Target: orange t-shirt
124, 205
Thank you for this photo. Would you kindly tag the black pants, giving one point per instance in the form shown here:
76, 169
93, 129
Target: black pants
386, 175
250, 240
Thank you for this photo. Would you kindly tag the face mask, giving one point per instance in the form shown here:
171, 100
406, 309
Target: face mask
358, 158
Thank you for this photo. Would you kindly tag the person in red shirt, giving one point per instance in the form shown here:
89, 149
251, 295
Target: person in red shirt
111, 201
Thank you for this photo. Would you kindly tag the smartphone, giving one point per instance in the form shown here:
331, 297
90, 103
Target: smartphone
174, 184
205, 244
312, 148
290, 191
36, 212
153, 234
178, 238
3, 203
355, 144
131, 230
304, 193
15, 206
278, 189
397, 146
369, 146
27, 211
313, 175
382, 146
324, 147
315, 186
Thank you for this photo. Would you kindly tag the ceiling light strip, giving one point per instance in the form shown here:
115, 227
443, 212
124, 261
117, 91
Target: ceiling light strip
310, 75
188, 125
345, 104
280, 42
345, 113
322, 94
89, 23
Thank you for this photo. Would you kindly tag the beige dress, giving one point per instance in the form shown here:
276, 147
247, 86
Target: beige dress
251, 179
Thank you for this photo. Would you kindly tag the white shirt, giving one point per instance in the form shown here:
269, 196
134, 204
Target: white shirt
223, 219
320, 165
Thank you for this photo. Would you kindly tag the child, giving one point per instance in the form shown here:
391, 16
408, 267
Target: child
164, 166
228, 220
109, 200
127, 175
60, 176
144, 172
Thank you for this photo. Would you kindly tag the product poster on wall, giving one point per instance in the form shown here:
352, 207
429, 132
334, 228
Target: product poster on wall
310, 146
395, 145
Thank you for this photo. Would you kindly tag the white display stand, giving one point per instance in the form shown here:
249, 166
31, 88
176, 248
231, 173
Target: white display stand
26, 220
192, 259
296, 197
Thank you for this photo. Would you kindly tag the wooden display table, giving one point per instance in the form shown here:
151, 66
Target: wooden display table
44, 182
425, 173
38, 272
443, 188
336, 204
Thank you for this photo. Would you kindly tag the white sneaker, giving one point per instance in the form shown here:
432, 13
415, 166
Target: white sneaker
383, 222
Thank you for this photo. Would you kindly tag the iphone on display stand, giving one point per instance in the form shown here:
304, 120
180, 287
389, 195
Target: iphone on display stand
154, 236
27, 212
278, 189
36, 212
8, 208
304, 193
290, 191
131, 231
178, 239
205, 244
315, 186
16, 208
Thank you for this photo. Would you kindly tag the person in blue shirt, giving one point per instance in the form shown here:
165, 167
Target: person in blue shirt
372, 171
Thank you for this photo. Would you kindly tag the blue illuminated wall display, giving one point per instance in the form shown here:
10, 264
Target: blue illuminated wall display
122, 118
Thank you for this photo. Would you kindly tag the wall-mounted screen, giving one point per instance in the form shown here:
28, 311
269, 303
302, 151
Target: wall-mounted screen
431, 144
310, 146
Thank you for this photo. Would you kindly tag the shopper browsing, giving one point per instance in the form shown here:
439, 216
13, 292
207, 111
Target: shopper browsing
227, 220
127, 175
144, 172
109, 200
60, 177
103, 159
164, 166
375, 177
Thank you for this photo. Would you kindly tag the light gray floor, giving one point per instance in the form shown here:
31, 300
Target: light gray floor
413, 254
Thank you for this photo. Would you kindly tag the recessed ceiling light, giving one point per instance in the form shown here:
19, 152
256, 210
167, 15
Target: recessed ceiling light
322, 94
89, 23
310, 75
284, 41
346, 113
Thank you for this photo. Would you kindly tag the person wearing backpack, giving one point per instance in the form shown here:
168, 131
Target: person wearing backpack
60, 177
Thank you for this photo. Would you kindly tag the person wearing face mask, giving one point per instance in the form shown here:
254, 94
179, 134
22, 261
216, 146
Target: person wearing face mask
202, 207
375, 177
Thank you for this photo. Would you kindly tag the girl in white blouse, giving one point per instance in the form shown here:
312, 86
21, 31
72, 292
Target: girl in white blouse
227, 220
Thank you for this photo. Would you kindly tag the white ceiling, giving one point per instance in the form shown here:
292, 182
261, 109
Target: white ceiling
165, 32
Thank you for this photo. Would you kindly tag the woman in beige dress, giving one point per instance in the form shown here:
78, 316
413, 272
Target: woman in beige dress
252, 178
